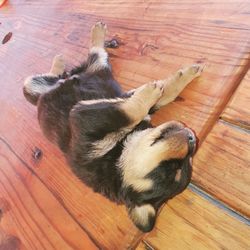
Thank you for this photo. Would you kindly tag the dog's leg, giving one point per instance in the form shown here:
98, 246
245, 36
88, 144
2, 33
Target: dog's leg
174, 85
36, 85
97, 63
97, 60
143, 99
98, 56
58, 66
98, 33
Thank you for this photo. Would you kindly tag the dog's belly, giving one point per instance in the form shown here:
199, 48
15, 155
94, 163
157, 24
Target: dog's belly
95, 87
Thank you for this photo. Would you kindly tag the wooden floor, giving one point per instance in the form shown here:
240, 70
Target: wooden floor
44, 206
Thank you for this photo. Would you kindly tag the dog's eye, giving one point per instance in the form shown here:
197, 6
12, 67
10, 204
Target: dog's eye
164, 134
157, 139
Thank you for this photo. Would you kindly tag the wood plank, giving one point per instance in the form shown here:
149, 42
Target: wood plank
192, 222
106, 223
222, 166
238, 110
154, 44
31, 217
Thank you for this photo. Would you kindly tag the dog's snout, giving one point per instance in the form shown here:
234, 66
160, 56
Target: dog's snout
191, 140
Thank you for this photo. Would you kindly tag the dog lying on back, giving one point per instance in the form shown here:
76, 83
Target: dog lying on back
106, 134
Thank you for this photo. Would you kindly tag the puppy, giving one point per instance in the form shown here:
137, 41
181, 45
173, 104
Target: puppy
106, 134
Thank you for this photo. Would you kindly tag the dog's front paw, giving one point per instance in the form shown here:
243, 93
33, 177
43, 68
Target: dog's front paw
150, 93
196, 69
191, 71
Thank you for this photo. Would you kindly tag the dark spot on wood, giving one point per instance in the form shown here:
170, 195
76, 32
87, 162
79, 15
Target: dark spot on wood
179, 99
10, 243
74, 36
200, 61
7, 38
59, 198
244, 123
219, 21
189, 202
4, 206
122, 231
37, 154
148, 46
113, 43
111, 55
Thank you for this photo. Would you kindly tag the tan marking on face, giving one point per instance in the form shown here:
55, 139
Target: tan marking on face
140, 156
177, 147
140, 215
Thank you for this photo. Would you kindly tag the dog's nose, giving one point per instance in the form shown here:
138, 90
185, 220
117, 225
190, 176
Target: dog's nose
191, 141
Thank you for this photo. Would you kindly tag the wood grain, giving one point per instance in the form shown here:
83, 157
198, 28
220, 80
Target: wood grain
156, 38
238, 110
31, 217
163, 37
107, 223
191, 222
222, 166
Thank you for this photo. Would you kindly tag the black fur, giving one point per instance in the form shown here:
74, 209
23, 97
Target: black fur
74, 127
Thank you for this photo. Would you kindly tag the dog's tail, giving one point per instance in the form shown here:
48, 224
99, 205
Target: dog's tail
35, 86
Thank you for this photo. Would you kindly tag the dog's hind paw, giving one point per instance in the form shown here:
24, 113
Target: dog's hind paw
150, 93
191, 71
98, 34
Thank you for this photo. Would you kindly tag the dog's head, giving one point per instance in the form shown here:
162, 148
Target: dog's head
155, 166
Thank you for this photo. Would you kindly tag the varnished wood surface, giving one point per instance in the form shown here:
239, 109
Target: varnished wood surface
156, 38
222, 166
191, 222
237, 111
107, 223
30, 216
161, 37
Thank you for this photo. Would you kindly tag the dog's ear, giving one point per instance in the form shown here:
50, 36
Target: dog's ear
143, 216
